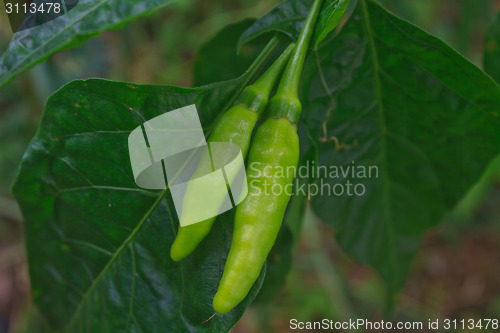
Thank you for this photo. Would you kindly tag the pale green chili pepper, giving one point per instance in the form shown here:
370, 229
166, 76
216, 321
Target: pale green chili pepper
235, 126
275, 149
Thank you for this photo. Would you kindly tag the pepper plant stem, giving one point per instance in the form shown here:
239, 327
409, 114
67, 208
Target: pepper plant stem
286, 101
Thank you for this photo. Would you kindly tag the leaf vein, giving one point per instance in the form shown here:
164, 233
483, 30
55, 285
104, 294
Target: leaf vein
114, 258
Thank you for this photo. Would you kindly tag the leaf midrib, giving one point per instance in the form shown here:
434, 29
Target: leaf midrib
114, 257
389, 223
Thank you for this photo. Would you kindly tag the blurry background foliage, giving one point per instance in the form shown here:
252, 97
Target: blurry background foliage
456, 274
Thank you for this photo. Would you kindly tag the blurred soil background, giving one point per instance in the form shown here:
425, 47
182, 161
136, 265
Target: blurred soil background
456, 274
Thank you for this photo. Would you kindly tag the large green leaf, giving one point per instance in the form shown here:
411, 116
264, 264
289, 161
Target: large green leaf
289, 16
87, 19
401, 100
492, 49
98, 246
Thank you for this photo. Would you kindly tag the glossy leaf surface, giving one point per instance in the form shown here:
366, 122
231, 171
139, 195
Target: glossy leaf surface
289, 16
391, 96
86, 20
98, 245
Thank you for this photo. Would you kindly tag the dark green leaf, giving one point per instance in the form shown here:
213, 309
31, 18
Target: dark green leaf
403, 101
288, 17
85, 20
98, 245
217, 59
329, 19
492, 49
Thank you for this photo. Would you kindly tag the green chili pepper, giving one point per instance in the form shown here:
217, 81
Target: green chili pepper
275, 149
235, 126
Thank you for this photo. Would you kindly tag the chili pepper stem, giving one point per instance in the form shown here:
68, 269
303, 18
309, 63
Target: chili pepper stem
268, 49
266, 82
256, 95
286, 102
